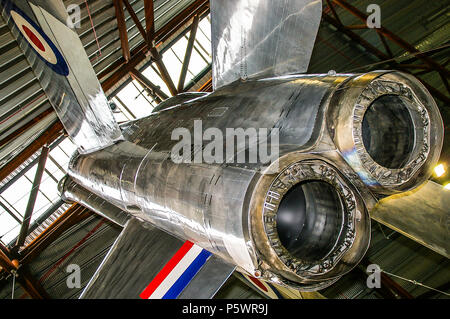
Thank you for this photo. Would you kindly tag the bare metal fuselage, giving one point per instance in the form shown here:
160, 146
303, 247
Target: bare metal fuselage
246, 213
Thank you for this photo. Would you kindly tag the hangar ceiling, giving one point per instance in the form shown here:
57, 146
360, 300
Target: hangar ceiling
132, 45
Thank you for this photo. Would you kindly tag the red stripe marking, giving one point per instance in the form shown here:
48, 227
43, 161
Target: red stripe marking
166, 270
258, 283
33, 38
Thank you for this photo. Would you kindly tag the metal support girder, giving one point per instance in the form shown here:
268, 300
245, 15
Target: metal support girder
5, 261
379, 54
395, 38
10, 213
135, 20
207, 87
120, 16
4, 249
187, 56
165, 76
156, 90
125, 106
48, 212
32, 199
333, 11
355, 37
56, 162
31, 286
198, 7
121, 68
149, 20
25, 169
148, 91
386, 45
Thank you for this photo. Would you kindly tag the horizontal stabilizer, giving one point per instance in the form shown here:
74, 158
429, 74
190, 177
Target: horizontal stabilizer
148, 263
422, 215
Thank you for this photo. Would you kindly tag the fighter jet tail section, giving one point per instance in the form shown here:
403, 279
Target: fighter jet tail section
59, 61
262, 38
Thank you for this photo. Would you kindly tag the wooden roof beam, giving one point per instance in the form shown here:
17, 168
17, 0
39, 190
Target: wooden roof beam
165, 76
156, 90
149, 20
119, 69
395, 38
135, 20
120, 16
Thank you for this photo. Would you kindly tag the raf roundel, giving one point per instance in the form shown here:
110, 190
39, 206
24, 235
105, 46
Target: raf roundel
39, 41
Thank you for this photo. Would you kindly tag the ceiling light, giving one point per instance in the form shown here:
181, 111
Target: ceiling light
439, 170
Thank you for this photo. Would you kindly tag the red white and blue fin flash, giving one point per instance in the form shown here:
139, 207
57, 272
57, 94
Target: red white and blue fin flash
177, 273
45, 49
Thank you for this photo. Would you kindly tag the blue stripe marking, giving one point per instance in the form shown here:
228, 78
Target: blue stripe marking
187, 276
275, 290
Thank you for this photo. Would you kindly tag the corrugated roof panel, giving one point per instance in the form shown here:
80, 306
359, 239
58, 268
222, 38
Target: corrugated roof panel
17, 145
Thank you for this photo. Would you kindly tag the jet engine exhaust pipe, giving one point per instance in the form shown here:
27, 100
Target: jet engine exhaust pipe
388, 129
309, 223
301, 220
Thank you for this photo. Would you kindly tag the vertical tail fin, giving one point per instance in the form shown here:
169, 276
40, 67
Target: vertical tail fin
59, 61
262, 38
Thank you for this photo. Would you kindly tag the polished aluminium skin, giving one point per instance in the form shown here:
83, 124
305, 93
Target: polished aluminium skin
304, 224
301, 220
73, 192
262, 38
